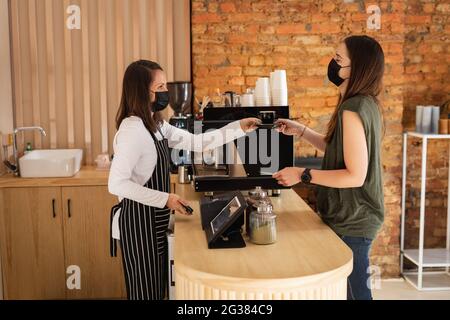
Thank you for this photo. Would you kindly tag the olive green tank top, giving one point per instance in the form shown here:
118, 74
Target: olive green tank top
357, 212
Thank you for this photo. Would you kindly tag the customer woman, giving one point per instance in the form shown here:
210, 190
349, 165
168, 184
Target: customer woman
140, 177
350, 184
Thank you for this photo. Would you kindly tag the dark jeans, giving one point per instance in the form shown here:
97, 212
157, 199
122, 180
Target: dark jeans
358, 281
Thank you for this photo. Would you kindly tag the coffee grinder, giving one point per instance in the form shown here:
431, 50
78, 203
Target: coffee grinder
180, 99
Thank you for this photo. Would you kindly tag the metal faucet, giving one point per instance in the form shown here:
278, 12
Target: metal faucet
15, 167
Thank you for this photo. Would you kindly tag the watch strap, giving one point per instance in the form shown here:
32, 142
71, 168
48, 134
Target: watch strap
306, 176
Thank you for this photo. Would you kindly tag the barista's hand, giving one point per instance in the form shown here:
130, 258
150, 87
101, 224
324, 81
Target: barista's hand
289, 127
174, 203
249, 124
289, 176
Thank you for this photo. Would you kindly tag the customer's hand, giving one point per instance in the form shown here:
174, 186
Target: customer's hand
249, 124
289, 176
289, 127
174, 202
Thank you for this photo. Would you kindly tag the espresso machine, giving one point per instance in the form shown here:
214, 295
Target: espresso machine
249, 161
180, 99
241, 165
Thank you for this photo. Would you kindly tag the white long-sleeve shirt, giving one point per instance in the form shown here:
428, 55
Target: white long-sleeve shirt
135, 156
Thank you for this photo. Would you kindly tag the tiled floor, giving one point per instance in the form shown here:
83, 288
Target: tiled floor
399, 289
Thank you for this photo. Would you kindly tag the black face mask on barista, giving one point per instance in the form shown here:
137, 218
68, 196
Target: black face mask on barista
161, 101
333, 72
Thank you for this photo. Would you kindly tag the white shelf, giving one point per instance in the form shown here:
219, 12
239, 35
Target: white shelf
431, 257
428, 135
431, 281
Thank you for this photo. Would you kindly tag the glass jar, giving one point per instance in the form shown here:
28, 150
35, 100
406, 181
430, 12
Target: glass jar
263, 225
256, 196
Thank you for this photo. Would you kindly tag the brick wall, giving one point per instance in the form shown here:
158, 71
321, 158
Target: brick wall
427, 72
236, 41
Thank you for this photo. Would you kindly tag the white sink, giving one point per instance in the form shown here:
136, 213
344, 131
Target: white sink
50, 163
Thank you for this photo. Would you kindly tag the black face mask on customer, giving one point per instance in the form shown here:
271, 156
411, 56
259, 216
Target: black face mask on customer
333, 72
161, 101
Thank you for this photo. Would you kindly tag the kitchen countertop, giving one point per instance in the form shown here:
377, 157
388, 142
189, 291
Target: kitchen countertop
87, 176
309, 261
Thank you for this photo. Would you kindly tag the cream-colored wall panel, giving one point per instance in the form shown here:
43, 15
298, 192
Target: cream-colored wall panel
6, 108
69, 81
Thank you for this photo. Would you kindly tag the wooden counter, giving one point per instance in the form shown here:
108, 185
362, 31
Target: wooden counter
87, 176
50, 224
307, 262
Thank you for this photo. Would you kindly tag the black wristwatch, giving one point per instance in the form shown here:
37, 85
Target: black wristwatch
306, 176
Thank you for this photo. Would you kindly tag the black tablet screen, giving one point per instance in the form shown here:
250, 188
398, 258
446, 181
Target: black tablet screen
225, 215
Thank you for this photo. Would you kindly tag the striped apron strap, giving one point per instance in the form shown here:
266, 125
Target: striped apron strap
112, 241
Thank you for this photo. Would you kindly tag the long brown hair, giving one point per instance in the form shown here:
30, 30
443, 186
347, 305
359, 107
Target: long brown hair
136, 99
366, 74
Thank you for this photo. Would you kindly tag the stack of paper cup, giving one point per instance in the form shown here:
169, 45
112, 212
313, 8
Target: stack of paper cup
427, 119
279, 90
419, 113
247, 100
427, 114
271, 80
435, 115
262, 92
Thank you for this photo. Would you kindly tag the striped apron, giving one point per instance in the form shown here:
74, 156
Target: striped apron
143, 236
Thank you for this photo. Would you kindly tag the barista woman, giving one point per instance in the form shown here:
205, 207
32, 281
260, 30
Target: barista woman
140, 176
350, 185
